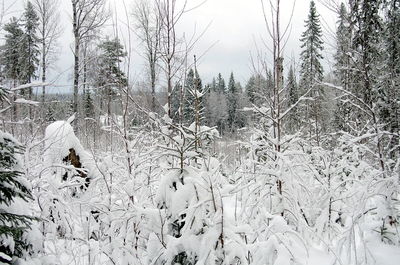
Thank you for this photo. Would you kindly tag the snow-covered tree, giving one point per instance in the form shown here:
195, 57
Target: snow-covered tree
10, 51
109, 78
311, 73
15, 218
343, 71
29, 45
293, 119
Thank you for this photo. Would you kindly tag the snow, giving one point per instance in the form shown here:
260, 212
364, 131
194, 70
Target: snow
59, 139
29, 85
26, 101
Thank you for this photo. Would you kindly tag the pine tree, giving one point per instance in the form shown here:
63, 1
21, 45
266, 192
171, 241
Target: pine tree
312, 72
13, 187
110, 78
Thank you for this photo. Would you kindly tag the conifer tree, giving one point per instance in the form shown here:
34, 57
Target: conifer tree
293, 97
343, 64
312, 72
221, 84
252, 89
13, 187
188, 98
216, 104
110, 78
390, 83
10, 52
232, 96
367, 35
29, 50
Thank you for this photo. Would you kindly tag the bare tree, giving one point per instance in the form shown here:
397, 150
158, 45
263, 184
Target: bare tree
49, 31
172, 52
148, 29
87, 16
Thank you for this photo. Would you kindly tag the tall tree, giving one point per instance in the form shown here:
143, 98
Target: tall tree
193, 85
232, 96
10, 54
29, 50
389, 102
311, 71
49, 31
367, 25
110, 78
10, 51
221, 84
87, 16
343, 68
293, 97
149, 31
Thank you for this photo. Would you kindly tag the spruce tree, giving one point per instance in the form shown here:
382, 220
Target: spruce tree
293, 97
343, 65
390, 79
13, 187
311, 72
221, 84
255, 89
10, 51
232, 96
188, 101
29, 46
367, 35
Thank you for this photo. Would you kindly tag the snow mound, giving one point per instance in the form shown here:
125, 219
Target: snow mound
59, 140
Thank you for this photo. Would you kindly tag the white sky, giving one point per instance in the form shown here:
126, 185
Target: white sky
236, 27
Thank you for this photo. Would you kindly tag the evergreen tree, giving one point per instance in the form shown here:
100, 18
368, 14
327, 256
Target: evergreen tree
269, 85
343, 65
13, 188
216, 105
10, 51
188, 107
255, 89
367, 34
293, 97
232, 96
221, 84
175, 102
311, 71
89, 106
390, 79
29, 47
110, 78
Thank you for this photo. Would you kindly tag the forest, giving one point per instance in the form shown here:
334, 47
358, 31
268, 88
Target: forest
296, 164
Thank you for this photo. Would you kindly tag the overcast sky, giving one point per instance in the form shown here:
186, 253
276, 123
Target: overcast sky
237, 26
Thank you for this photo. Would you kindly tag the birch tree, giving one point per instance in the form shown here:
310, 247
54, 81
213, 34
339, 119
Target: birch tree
148, 28
49, 31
